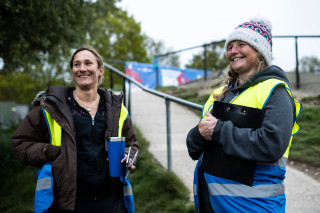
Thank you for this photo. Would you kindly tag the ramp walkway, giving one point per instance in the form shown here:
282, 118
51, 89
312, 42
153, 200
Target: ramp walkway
149, 114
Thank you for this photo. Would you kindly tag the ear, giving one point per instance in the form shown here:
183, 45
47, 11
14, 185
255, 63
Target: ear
101, 71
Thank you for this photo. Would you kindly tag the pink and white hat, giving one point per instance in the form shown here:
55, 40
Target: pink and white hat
257, 33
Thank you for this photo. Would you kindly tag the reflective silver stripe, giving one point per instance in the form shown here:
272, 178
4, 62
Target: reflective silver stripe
240, 190
44, 183
127, 190
282, 162
195, 189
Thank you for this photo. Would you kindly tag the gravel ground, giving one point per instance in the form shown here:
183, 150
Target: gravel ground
148, 113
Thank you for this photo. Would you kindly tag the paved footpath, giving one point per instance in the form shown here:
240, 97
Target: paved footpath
149, 114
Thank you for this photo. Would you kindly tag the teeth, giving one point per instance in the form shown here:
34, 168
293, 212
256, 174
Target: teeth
236, 59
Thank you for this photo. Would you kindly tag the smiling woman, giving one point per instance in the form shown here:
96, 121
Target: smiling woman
65, 136
87, 73
242, 142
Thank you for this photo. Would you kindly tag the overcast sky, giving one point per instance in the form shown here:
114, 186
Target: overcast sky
182, 24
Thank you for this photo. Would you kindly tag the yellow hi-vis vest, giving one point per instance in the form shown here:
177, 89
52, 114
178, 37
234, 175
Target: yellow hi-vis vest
267, 191
257, 96
55, 128
44, 193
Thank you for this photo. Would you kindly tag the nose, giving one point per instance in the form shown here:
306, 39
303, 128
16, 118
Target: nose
82, 67
234, 49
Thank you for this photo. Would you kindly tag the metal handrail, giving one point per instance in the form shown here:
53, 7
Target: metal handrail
166, 97
154, 92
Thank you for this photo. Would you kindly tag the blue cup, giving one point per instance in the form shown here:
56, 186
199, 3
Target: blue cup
116, 146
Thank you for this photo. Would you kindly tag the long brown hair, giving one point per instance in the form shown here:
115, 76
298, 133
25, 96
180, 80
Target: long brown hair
233, 77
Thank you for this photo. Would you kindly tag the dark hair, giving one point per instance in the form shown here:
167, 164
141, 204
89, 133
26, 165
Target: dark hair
94, 52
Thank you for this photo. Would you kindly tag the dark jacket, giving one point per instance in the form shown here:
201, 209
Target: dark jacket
31, 141
266, 144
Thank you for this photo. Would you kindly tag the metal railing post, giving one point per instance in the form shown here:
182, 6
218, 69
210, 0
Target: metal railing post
205, 62
111, 79
167, 98
124, 92
129, 100
297, 64
168, 135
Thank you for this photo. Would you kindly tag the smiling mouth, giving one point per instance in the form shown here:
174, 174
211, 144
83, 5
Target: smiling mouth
237, 58
83, 76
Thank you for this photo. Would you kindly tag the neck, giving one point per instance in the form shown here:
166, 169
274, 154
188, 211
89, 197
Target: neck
244, 77
86, 95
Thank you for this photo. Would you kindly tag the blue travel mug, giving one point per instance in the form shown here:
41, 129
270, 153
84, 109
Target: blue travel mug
116, 146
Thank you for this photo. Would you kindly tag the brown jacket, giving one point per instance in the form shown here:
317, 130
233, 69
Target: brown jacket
31, 141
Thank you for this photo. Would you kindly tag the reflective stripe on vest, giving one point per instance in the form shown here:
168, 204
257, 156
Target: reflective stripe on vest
54, 129
241, 190
123, 117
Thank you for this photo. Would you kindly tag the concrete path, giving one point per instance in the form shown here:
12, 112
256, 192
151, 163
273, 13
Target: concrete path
149, 114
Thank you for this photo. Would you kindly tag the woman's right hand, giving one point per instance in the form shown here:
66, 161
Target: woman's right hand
207, 125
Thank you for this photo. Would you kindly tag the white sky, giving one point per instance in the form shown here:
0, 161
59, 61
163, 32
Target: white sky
182, 24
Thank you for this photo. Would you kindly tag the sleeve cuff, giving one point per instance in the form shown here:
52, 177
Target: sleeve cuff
216, 131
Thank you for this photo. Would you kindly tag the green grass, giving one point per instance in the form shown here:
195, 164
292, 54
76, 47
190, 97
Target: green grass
190, 94
155, 189
306, 144
309, 99
17, 180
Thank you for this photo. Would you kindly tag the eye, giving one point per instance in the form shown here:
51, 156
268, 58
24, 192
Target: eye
76, 65
88, 63
229, 48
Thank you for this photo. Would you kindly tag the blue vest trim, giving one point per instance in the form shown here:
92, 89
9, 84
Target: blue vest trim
297, 120
195, 185
266, 174
44, 194
45, 116
271, 93
128, 195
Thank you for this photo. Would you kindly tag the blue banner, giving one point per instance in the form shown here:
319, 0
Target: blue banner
168, 76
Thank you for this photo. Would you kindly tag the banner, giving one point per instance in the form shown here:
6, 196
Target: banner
168, 76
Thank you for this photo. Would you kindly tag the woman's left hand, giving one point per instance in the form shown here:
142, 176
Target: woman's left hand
207, 125
131, 167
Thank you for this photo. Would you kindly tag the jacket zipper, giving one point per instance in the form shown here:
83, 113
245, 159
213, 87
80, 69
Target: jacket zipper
92, 143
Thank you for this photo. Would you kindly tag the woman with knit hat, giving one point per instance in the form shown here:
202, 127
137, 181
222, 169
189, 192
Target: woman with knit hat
243, 139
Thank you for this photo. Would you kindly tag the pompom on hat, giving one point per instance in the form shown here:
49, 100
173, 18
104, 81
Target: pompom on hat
257, 33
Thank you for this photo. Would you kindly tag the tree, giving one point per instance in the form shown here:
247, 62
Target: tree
42, 60
31, 26
310, 64
155, 48
216, 58
118, 36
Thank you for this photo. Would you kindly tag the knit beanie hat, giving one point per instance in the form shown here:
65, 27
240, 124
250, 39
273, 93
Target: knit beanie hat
257, 33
